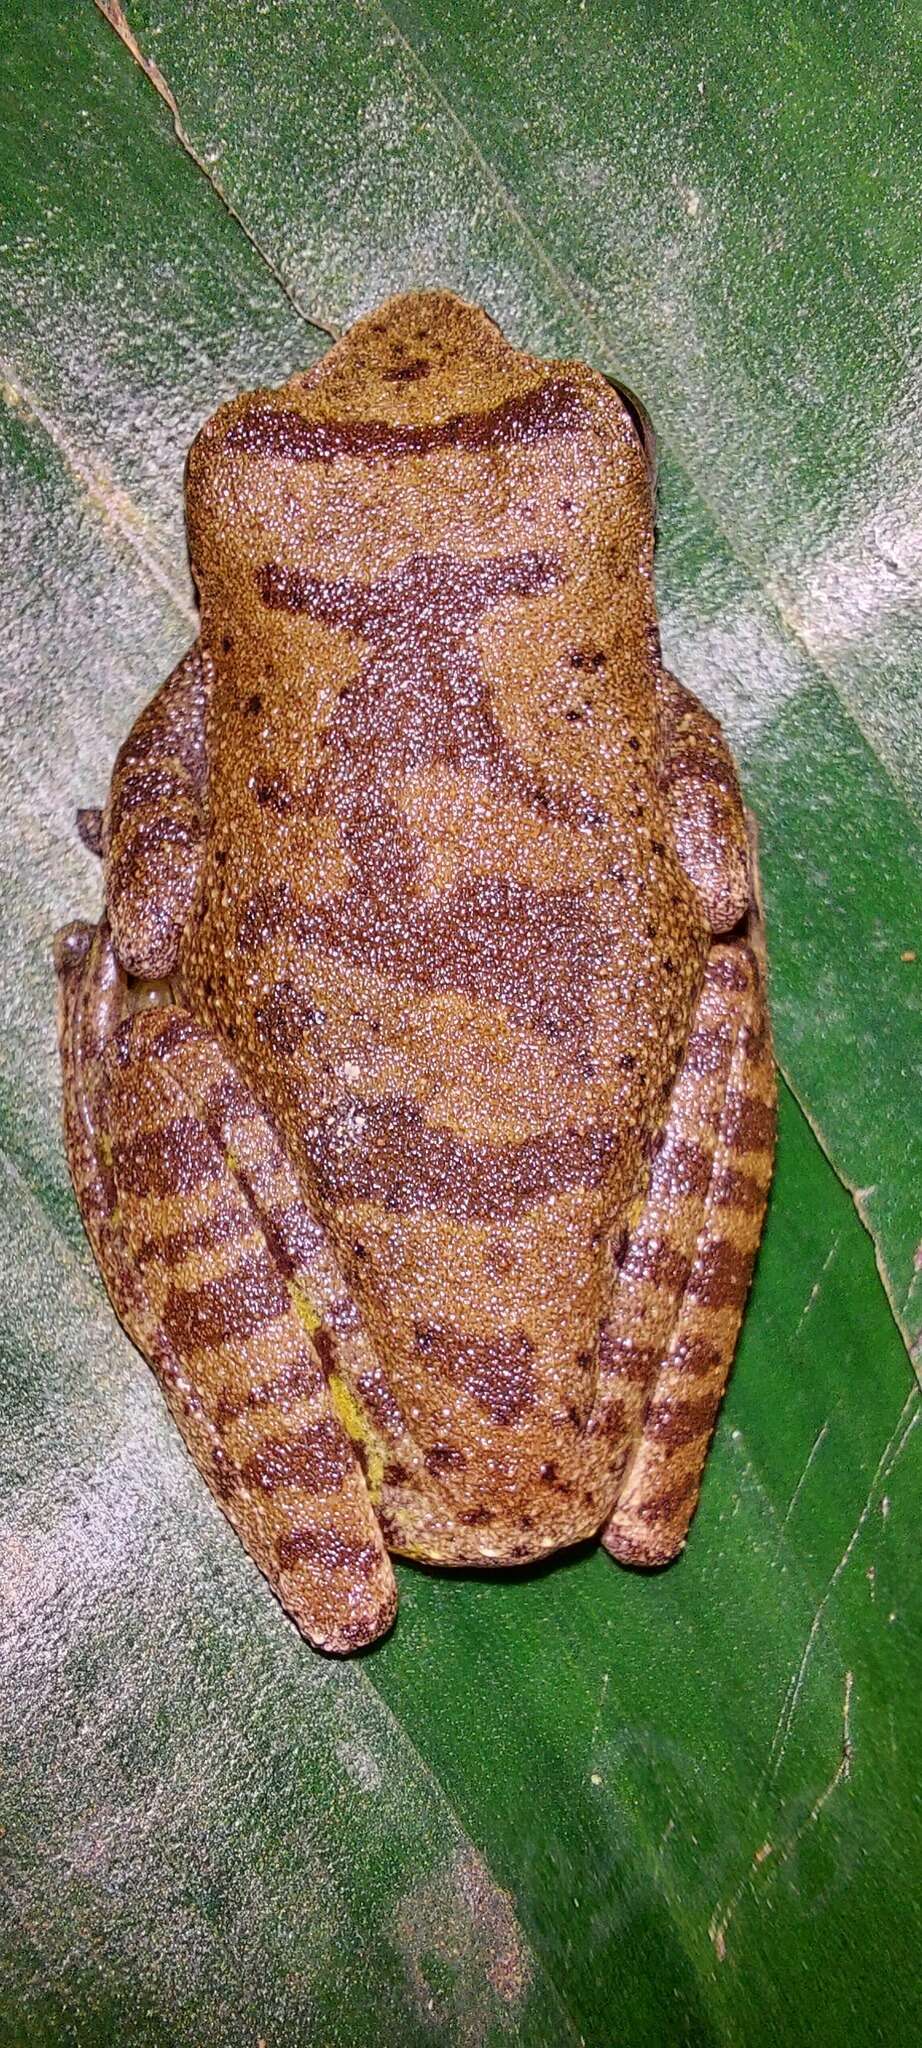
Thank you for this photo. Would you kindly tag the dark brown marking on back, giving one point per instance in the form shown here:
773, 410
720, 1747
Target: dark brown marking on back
390, 1155
275, 793
554, 407
227, 1102
283, 1018
588, 659
488, 938
408, 373
422, 701
432, 600
442, 1458
264, 916
497, 1372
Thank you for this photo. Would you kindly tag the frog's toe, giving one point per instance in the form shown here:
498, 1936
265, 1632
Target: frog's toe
70, 946
89, 826
363, 1622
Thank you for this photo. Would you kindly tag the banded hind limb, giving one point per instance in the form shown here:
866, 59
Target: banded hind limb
681, 1274
211, 1258
222, 1281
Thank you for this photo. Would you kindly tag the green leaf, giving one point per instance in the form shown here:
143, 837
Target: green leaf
568, 1804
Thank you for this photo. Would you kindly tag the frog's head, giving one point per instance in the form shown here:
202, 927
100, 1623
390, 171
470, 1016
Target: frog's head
418, 358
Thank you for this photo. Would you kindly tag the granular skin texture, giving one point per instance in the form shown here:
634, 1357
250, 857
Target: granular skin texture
432, 1194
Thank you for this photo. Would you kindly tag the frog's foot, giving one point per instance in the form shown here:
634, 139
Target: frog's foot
223, 1281
668, 1343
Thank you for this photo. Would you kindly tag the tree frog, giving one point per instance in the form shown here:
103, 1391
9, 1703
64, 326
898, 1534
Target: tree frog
419, 1094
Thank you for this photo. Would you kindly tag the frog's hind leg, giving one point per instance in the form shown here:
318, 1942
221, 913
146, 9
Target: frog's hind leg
683, 1274
211, 1261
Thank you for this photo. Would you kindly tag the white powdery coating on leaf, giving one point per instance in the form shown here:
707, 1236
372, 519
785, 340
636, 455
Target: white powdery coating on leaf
188, 1783
651, 259
739, 663
461, 1919
868, 573
856, 600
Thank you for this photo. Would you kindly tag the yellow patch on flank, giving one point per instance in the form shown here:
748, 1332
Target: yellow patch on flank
356, 1426
304, 1309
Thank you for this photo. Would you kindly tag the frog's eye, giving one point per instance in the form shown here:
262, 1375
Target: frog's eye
641, 423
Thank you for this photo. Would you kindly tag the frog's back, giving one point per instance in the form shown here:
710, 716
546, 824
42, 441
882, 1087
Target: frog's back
464, 954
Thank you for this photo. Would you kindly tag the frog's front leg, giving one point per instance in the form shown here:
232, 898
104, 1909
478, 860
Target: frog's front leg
668, 1343
221, 1279
705, 806
151, 830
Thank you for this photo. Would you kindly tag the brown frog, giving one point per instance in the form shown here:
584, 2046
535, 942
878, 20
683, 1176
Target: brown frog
432, 1188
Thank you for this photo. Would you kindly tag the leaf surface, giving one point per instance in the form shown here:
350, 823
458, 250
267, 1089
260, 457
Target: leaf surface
570, 1804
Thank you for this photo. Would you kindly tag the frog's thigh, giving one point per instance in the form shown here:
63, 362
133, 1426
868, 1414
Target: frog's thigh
706, 808
151, 829
669, 1340
200, 1278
